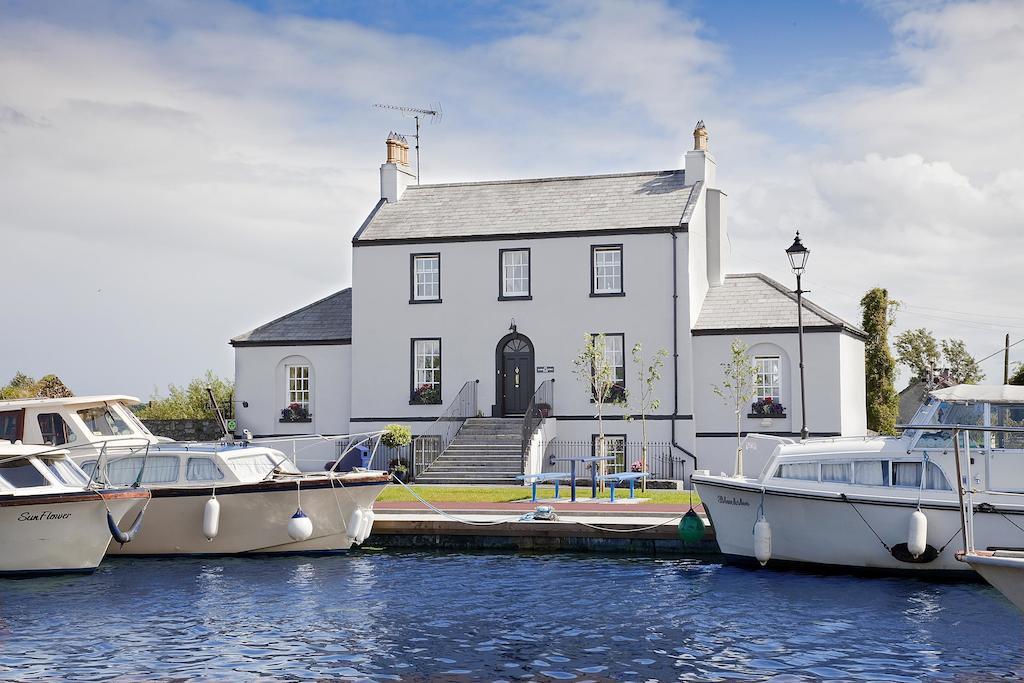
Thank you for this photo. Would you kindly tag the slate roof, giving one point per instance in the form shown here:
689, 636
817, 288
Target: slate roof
752, 302
491, 210
327, 321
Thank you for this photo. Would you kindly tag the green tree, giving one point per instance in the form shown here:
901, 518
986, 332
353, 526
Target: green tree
1017, 377
648, 376
23, 386
963, 369
919, 352
879, 366
597, 373
737, 389
191, 401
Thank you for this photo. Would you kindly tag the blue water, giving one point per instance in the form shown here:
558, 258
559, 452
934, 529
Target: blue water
377, 615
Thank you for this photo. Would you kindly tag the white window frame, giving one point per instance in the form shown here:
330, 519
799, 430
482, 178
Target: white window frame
426, 281
606, 275
298, 384
515, 271
763, 387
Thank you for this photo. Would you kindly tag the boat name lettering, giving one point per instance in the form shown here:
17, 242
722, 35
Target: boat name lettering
733, 501
45, 515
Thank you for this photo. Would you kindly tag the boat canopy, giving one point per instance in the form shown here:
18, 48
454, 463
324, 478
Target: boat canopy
14, 404
981, 393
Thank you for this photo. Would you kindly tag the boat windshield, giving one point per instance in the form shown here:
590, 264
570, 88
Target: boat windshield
1007, 416
101, 421
21, 473
951, 414
65, 471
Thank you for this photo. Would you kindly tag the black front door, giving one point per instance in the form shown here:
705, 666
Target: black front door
516, 375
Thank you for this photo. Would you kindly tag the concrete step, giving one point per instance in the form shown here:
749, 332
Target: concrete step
493, 481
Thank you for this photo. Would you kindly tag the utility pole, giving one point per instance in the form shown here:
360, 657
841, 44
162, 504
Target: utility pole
1006, 360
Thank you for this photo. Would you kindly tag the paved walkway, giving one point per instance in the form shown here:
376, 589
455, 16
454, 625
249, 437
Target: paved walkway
618, 507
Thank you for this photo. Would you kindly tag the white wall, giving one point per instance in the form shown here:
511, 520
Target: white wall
260, 381
835, 391
471, 320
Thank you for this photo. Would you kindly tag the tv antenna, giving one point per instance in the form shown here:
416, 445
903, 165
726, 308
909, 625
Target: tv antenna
434, 115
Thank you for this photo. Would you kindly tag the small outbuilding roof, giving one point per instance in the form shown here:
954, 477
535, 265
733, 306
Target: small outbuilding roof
327, 321
752, 302
648, 201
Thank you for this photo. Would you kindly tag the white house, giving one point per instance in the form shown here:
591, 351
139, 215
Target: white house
492, 288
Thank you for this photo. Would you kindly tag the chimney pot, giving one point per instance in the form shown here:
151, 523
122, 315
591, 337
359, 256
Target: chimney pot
700, 137
398, 149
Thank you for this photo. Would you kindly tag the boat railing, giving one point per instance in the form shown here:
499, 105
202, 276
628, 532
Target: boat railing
435, 439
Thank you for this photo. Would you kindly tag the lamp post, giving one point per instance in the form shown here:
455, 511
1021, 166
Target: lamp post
798, 254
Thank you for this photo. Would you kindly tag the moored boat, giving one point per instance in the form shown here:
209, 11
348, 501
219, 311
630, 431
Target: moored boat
52, 518
209, 498
880, 503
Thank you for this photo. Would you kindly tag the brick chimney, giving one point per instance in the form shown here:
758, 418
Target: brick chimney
700, 165
395, 173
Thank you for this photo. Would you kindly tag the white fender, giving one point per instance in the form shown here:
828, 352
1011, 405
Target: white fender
762, 540
364, 532
355, 523
917, 534
300, 527
211, 519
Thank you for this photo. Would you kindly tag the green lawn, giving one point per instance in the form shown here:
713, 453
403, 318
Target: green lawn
507, 494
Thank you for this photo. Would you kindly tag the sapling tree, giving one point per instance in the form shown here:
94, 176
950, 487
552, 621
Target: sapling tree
596, 372
737, 389
648, 374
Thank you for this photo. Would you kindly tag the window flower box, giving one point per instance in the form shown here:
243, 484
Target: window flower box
426, 395
767, 408
296, 413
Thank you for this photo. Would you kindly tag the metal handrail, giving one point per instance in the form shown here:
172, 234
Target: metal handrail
534, 416
445, 427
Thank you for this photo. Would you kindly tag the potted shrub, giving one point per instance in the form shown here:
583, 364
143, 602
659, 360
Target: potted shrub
295, 413
399, 468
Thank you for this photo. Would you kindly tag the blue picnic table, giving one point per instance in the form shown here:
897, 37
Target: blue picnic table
533, 479
593, 460
619, 477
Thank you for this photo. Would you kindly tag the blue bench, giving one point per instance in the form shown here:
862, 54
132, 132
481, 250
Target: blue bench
631, 477
533, 479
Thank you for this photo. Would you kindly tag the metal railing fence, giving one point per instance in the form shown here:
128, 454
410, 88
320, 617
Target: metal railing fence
663, 462
427, 446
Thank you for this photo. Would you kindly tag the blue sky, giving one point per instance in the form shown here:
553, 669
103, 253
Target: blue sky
189, 170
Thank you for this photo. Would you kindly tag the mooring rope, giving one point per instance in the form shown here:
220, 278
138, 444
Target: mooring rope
674, 520
884, 545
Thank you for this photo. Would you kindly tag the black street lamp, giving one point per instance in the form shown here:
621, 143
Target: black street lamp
798, 254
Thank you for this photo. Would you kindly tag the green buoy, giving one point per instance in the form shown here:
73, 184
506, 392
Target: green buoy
691, 527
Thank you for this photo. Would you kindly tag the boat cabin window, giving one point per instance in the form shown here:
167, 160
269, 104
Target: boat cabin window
260, 465
21, 474
871, 472
1007, 416
102, 421
840, 472
805, 471
951, 414
65, 471
11, 423
909, 474
54, 430
160, 469
202, 469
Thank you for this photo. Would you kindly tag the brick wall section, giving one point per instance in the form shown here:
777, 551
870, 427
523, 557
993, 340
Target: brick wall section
186, 430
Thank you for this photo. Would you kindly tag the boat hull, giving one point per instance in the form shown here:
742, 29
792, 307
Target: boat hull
60, 532
254, 517
826, 530
1006, 574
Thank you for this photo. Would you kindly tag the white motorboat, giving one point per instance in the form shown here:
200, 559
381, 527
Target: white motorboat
52, 518
208, 498
880, 503
1004, 569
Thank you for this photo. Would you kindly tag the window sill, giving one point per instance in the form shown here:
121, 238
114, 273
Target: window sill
525, 297
597, 295
304, 419
421, 403
424, 301
762, 416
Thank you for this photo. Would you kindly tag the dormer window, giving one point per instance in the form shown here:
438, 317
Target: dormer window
425, 284
606, 270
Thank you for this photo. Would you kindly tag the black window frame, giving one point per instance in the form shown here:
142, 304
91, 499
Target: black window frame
594, 248
412, 371
501, 275
593, 338
412, 277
